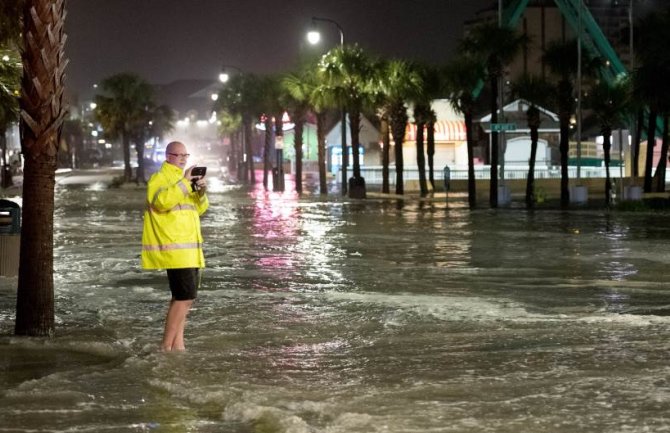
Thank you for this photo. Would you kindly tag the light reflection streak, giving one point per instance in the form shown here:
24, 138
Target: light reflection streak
290, 236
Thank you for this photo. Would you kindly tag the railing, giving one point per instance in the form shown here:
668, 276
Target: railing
373, 174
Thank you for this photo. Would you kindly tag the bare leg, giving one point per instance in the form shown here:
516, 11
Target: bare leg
173, 338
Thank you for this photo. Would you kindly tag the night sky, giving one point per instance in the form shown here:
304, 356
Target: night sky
166, 40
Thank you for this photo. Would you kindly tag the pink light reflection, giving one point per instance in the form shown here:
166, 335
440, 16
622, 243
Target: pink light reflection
276, 227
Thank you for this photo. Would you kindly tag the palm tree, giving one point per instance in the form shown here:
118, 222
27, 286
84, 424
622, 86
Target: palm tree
536, 92
230, 125
561, 58
297, 88
422, 112
461, 77
73, 134
431, 119
42, 112
270, 106
497, 46
243, 96
156, 121
609, 103
396, 83
347, 73
162, 121
648, 79
10, 82
123, 111
651, 85
432, 89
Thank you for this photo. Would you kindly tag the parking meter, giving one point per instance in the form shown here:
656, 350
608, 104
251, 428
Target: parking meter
447, 177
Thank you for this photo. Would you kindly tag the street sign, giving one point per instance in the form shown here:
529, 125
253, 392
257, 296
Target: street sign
503, 127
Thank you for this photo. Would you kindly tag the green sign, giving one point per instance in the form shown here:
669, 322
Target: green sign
503, 127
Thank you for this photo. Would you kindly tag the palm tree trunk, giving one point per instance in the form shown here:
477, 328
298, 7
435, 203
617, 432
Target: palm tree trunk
42, 113
565, 103
128, 170
321, 152
636, 142
398, 126
139, 147
354, 126
345, 152
663, 159
386, 153
651, 141
493, 191
35, 297
472, 183
249, 163
266, 151
297, 143
564, 147
278, 182
6, 176
421, 159
607, 147
530, 182
430, 151
232, 153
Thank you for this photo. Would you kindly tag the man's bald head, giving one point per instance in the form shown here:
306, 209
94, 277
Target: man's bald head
175, 147
176, 154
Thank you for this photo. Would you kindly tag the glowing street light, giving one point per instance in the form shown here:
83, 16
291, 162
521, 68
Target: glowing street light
224, 76
314, 36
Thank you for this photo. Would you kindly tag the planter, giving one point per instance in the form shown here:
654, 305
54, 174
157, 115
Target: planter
632, 193
504, 195
357, 187
579, 194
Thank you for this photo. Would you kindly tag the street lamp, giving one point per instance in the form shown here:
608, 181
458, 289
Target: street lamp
224, 75
244, 167
313, 37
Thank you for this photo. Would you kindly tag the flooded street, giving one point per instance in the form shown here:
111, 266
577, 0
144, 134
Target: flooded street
339, 316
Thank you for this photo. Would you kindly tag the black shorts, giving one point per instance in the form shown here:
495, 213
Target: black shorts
184, 283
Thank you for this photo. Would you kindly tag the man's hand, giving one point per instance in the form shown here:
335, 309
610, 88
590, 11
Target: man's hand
202, 185
199, 181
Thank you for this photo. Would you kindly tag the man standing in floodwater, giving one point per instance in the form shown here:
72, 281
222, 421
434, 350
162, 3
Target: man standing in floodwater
171, 237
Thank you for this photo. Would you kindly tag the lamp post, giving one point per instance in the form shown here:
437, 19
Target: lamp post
632, 130
579, 93
313, 36
224, 76
279, 152
241, 166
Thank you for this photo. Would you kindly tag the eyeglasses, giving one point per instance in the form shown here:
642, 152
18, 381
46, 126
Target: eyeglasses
180, 155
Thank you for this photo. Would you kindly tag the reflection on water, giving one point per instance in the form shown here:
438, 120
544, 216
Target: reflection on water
333, 315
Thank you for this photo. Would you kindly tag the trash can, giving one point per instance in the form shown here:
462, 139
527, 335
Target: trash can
10, 238
446, 177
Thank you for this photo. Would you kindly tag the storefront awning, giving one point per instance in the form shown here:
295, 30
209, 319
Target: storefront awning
445, 130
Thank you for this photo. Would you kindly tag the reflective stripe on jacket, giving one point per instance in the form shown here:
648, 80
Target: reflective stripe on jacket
171, 235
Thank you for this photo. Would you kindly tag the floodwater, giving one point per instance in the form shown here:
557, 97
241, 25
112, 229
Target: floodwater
332, 315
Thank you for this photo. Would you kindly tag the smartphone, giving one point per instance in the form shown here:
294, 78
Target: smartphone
199, 171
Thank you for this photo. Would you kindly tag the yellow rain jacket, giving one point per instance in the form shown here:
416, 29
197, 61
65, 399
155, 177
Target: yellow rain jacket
171, 236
